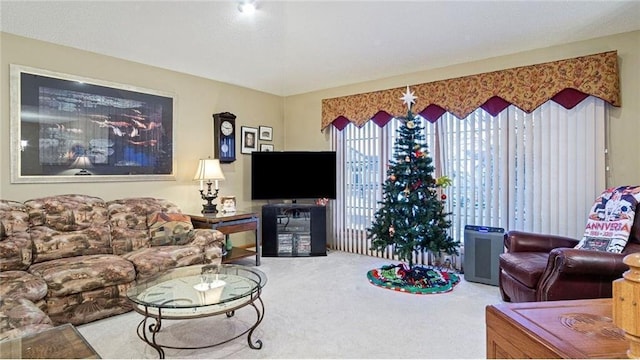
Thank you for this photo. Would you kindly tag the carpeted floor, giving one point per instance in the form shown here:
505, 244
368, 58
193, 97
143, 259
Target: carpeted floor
324, 307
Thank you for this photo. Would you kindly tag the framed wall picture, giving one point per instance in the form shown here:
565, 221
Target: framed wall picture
266, 147
266, 133
249, 137
64, 125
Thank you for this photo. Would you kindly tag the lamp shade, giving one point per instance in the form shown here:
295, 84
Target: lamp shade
81, 162
209, 169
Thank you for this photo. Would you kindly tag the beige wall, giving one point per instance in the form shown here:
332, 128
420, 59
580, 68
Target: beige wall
295, 119
196, 100
302, 112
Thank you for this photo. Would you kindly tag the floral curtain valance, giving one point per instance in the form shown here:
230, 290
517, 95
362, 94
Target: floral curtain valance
565, 81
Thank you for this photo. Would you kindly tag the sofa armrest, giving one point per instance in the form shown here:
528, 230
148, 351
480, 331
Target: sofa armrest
587, 262
521, 241
212, 243
579, 274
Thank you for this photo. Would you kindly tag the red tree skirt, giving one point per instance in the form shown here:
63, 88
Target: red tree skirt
418, 280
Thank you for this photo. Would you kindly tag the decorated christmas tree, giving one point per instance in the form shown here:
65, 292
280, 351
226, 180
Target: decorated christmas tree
412, 217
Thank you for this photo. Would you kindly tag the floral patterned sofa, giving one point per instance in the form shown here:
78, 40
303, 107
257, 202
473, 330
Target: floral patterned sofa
21, 293
71, 258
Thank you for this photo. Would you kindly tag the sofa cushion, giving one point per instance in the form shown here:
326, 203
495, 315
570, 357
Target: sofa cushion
67, 226
15, 241
127, 215
134, 213
21, 284
170, 229
526, 267
19, 317
83, 273
130, 219
87, 306
14, 218
611, 219
51, 244
71, 212
16, 252
155, 260
126, 240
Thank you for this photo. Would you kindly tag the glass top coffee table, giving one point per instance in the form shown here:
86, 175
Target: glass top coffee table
197, 291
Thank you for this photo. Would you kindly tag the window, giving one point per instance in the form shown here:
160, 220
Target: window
533, 172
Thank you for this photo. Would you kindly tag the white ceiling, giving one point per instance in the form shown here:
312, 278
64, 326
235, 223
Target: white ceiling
293, 47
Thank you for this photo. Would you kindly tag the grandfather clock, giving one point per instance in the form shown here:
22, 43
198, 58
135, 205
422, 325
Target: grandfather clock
224, 125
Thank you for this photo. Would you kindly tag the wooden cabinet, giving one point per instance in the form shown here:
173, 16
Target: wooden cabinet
554, 329
294, 230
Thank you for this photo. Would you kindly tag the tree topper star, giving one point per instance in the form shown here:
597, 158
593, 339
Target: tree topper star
408, 98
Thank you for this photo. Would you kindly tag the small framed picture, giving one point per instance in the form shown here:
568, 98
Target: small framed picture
228, 204
266, 147
249, 136
266, 133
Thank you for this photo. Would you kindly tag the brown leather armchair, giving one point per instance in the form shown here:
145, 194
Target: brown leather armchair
538, 267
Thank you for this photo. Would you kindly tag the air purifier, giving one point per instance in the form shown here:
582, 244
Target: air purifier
482, 248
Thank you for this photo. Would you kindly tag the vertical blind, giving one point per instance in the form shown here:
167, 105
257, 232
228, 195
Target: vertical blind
537, 171
556, 166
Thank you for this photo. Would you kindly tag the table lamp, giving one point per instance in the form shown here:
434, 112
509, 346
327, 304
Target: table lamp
82, 163
209, 170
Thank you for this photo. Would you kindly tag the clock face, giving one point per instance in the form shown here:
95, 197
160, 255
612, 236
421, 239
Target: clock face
226, 128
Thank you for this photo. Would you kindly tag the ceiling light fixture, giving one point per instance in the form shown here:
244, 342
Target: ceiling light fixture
247, 6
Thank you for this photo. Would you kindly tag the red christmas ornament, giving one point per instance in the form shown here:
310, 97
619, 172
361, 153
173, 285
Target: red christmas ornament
392, 178
443, 196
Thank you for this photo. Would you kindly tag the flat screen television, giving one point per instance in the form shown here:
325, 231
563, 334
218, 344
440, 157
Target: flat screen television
293, 175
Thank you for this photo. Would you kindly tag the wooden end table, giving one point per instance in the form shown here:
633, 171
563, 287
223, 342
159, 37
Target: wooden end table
230, 223
576, 329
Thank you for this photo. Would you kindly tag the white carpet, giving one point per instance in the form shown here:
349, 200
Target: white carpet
324, 307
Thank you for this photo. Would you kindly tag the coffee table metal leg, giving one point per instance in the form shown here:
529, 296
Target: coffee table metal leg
153, 325
260, 314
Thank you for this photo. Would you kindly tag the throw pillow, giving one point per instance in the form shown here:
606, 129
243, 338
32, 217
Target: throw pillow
170, 229
610, 220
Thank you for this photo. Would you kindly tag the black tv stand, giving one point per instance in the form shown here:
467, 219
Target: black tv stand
294, 230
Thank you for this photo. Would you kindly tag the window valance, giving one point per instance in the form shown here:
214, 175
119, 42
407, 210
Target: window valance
566, 81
